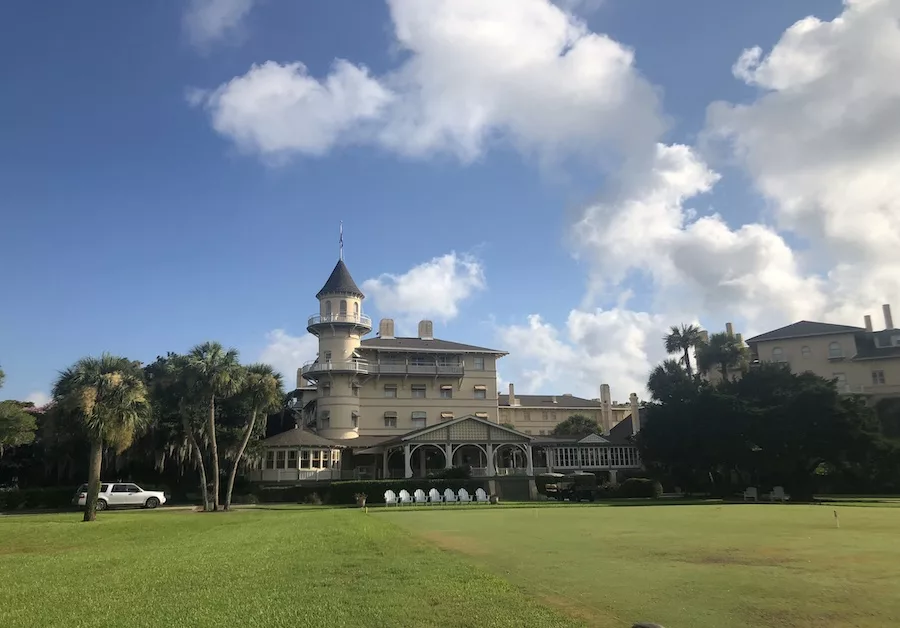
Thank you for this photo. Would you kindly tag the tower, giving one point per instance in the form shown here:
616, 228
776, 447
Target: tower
339, 326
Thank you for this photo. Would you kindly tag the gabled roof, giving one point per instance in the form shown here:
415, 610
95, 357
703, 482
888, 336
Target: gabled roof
803, 329
340, 282
546, 401
296, 437
417, 344
409, 436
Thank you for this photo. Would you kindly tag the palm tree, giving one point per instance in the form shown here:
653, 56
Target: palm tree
682, 340
723, 351
109, 397
2, 377
216, 373
265, 392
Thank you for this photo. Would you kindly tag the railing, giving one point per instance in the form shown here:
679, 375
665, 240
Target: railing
871, 389
294, 475
355, 366
356, 319
388, 368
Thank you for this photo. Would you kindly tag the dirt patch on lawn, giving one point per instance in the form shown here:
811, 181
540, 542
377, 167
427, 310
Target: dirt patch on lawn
586, 615
760, 558
454, 543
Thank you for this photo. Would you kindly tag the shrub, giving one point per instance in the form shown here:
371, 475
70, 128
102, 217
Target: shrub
313, 498
463, 472
640, 487
52, 497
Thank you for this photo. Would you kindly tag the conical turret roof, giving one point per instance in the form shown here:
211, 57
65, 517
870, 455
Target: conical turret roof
340, 282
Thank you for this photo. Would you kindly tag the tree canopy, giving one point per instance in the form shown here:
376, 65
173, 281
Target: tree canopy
576, 425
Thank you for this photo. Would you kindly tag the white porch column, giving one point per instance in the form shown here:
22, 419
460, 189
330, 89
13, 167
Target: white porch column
490, 460
448, 456
548, 454
529, 468
407, 469
384, 464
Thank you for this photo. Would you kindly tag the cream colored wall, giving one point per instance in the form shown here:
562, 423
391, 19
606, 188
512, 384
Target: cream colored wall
336, 305
373, 404
857, 372
542, 420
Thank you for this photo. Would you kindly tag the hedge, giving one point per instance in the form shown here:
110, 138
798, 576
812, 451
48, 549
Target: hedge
640, 487
29, 498
344, 492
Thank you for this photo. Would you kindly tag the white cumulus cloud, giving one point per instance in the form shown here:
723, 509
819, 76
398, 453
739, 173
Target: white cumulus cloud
286, 353
39, 398
434, 289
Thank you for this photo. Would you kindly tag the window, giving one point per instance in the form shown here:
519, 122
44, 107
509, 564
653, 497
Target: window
542, 432
478, 363
806, 351
480, 392
545, 415
356, 309
120, 488
324, 420
419, 420
446, 416
270, 459
327, 308
778, 354
354, 419
103, 488
835, 351
877, 378
280, 457
446, 392
841, 381
326, 390
343, 308
328, 356
292, 459
418, 392
304, 459
389, 420
527, 431
390, 391
355, 390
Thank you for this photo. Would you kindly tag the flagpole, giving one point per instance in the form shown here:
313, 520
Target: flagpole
342, 241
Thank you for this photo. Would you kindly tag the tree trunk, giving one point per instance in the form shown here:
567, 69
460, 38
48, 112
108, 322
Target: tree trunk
213, 450
195, 449
96, 459
687, 362
230, 487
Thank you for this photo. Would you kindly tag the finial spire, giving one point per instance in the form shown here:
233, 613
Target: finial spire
342, 240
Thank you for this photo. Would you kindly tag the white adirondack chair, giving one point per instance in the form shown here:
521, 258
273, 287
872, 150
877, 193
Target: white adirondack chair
464, 497
751, 493
420, 497
434, 497
778, 493
450, 496
390, 498
480, 496
405, 497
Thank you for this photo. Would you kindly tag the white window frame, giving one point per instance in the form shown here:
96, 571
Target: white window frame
390, 388
478, 363
835, 350
878, 378
417, 388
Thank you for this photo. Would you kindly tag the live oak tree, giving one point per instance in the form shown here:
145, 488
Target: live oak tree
109, 398
17, 426
576, 425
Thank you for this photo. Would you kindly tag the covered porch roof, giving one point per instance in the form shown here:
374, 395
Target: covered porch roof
460, 431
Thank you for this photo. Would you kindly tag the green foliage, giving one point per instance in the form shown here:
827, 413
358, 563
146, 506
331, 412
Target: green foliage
669, 381
640, 487
462, 472
723, 352
17, 426
34, 498
2, 377
576, 425
682, 340
509, 426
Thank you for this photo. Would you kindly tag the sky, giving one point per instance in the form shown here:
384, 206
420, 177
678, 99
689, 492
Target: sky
560, 180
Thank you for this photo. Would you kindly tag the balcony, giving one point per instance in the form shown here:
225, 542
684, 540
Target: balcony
401, 368
886, 390
358, 320
315, 368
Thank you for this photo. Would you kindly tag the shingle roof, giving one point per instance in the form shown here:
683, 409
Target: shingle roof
417, 344
296, 437
866, 349
805, 328
546, 401
340, 282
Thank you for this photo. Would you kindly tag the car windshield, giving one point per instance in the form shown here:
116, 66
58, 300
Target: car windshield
82, 489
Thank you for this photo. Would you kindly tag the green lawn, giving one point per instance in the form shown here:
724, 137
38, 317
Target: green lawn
566, 565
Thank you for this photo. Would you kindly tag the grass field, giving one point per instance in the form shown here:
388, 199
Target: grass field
569, 565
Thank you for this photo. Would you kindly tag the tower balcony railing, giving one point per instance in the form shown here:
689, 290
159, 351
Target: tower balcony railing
347, 366
354, 319
401, 368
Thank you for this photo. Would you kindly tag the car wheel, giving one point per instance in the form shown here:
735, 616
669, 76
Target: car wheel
151, 503
101, 504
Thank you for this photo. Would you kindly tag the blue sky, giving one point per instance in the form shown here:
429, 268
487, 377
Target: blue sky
137, 217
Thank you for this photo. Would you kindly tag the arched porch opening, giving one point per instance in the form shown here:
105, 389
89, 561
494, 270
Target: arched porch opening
512, 459
426, 458
470, 455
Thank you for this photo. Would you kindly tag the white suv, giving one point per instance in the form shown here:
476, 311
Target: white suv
121, 494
